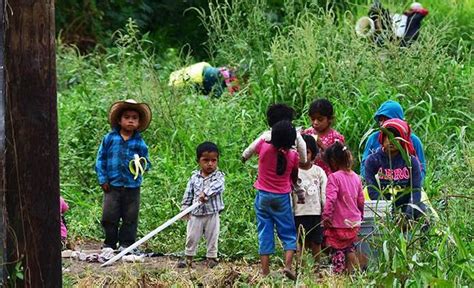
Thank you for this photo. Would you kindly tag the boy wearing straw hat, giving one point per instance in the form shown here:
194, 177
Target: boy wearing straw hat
121, 160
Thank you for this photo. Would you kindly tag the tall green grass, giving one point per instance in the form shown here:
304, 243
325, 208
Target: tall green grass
312, 54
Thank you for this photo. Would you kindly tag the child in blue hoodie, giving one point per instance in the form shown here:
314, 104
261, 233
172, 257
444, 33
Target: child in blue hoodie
389, 175
391, 110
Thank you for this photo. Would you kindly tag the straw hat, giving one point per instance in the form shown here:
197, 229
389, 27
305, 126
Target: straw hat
143, 109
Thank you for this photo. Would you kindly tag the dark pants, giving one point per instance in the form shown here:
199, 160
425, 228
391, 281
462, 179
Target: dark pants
120, 203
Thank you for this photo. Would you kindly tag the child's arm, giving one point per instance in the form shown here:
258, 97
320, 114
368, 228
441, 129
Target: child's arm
101, 165
250, 150
216, 186
371, 169
63, 205
299, 191
188, 196
360, 199
144, 153
331, 197
324, 181
301, 147
416, 180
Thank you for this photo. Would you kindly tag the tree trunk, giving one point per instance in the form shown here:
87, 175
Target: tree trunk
2, 147
31, 175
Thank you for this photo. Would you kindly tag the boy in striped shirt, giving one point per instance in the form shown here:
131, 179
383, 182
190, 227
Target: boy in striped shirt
205, 185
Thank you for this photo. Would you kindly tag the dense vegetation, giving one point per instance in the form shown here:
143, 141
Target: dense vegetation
307, 54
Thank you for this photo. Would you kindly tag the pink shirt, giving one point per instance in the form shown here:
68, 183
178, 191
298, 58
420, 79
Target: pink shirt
330, 138
63, 208
344, 200
267, 179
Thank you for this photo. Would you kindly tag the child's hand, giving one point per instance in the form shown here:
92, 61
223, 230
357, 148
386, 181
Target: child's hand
321, 144
202, 197
186, 217
327, 223
105, 187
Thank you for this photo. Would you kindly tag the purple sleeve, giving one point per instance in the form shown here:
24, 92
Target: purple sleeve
371, 169
416, 179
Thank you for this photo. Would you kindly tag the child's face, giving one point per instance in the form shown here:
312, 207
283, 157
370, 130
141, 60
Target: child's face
208, 162
129, 121
388, 146
320, 123
382, 119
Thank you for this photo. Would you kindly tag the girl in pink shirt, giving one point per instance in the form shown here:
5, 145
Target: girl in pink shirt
277, 167
344, 208
63, 207
321, 114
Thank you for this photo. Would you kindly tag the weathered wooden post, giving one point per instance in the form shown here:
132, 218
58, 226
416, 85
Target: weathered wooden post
2, 148
30, 174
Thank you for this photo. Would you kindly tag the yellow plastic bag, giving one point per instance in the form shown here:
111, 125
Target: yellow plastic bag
189, 74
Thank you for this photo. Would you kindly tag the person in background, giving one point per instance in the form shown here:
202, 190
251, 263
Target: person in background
120, 183
276, 113
391, 110
321, 113
208, 79
312, 180
344, 209
63, 207
389, 176
277, 169
206, 185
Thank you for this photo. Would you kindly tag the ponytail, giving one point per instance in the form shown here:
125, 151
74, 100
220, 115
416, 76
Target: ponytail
283, 138
281, 163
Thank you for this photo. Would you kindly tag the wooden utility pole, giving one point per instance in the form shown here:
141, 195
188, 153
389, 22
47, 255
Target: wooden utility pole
30, 174
2, 147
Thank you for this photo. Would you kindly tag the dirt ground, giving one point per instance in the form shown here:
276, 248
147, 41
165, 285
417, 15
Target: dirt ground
160, 271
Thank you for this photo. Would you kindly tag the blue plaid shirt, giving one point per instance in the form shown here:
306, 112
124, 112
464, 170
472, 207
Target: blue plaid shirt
114, 157
212, 186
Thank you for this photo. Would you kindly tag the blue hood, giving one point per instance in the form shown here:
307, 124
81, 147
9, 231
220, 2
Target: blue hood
390, 109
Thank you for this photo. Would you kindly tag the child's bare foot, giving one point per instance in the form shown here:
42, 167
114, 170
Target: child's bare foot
289, 274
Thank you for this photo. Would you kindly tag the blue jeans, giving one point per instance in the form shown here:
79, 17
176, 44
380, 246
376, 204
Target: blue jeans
274, 210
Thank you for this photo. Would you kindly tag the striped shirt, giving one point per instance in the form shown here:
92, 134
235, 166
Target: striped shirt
114, 156
212, 186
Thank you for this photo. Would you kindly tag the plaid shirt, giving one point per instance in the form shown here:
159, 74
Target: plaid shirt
212, 186
114, 157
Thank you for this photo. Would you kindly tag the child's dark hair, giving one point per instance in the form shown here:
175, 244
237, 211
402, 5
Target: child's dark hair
394, 132
338, 156
311, 145
283, 138
322, 107
279, 112
206, 147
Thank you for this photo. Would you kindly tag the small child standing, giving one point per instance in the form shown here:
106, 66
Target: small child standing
63, 207
396, 179
321, 113
312, 180
277, 167
120, 184
205, 185
276, 113
344, 208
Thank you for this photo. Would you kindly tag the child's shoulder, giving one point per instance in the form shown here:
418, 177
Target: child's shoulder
336, 134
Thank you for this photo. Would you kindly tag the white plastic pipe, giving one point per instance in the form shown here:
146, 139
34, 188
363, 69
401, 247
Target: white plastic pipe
152, 233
